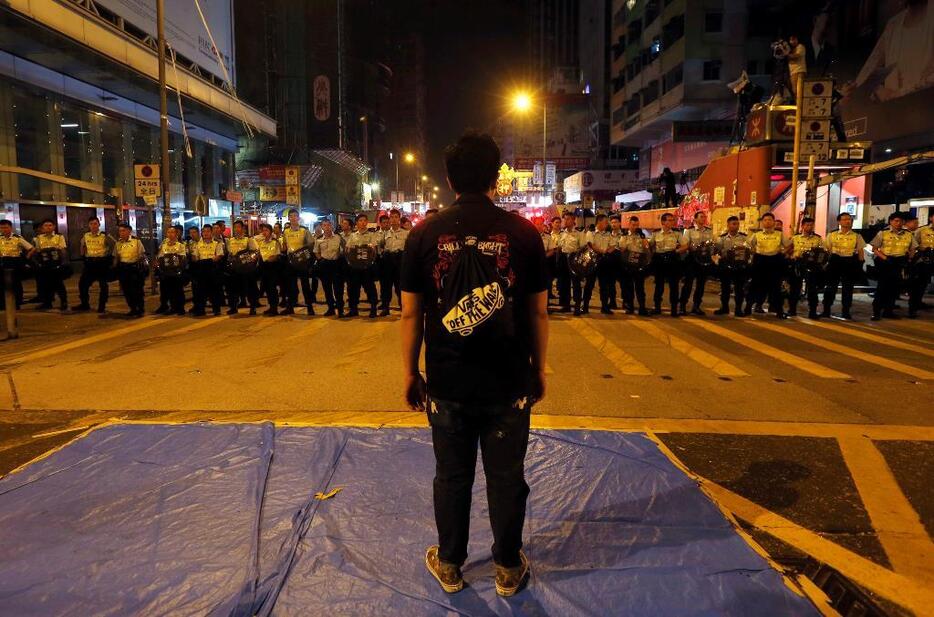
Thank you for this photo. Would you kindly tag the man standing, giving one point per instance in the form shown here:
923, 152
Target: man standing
569, 241
239, 285
206, 262
394, 238
328, 251
695, 271
635, 247
485, 368
545, 230
297, 237
49, 276
921, 274
601, 241
128, 254
892, 248
14, 250
270, 268
733, 248
797, 64
843, 268
664, 246
361, 275
97, 250
172, 285
768, 265
801, 243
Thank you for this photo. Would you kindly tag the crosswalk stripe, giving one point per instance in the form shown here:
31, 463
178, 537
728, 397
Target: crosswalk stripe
872, 337
858, 354
874, 329
626, 364
719, 367
782, 356
88, 340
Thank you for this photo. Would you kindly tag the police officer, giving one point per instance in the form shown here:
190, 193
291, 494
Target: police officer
845, 265
634, 241
328, 250
695, 273
194, 236
921, 269
206, 257
270, 268
97, 250
393, 246
294, 237
801, 243
618, 276
364, 278
735, 274
172, 288
14, 250
549, 232
240, 286
129, 255
664, 245
50, 281
569, 242
768, 265
892, 249
606, 246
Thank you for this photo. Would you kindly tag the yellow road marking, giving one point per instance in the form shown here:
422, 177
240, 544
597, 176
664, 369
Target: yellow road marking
782, 356
896, 523
858, 354
626, 364
88, 340
709, 361
876, 338
549, 370
869, 327
900, 589
309, 330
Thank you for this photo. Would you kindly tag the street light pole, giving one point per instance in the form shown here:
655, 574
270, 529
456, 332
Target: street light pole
163, 120
544, 146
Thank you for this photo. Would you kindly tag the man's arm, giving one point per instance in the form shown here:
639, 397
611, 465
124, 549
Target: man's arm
538, 330
413, 330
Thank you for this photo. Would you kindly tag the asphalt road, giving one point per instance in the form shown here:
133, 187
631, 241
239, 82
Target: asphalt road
827, 425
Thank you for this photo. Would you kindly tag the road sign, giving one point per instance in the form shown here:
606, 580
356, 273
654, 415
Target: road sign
201, 205
150, 200
815, 130
551, 175
271, 193
818, 88
146, 180
293, 194
234, 196
817, 107
292, 175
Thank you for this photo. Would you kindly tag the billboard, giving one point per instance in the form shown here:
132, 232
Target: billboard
568, 141
184, 30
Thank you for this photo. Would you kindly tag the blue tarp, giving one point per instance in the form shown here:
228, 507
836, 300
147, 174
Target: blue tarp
222, 520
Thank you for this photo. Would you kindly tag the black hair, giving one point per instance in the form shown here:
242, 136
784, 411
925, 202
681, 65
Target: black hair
431, 211
6, 222
265, 226
44, 221
698, 213
291, 210
207, 226
633, 219
221, 222
667, 216
732, 218
767, 215
569, 213
909, 217
896, 215
600, 217
193, 227
807, 219
555, 218
361, 216
93, 218
395, 211
615, 217
472, 163
238, 222
125, 226
842, 214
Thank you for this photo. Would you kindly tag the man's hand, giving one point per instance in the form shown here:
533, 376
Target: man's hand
416, 393
538, 386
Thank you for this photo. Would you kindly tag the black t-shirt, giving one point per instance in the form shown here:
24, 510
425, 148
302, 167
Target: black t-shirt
493, 370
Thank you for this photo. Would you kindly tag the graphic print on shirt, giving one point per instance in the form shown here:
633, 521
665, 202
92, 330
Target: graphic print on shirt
473, 278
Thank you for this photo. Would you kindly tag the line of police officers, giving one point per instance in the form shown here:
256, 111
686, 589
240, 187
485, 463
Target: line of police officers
753, 268
234, 271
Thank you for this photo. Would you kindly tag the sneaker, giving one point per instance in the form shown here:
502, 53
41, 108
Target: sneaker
509, 580
846, 315
448, 575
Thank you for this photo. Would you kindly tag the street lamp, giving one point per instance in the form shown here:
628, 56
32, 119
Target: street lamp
409, 158
522, 102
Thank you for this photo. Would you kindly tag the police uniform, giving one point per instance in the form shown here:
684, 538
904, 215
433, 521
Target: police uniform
607, 247
568, 243
97, 249
356, 278
897, 246
667, 266
128, 255
329, 251
549, 243
50, 281
240, 286
921, 269
843, 267
293, 240
206, 270
391, 271
13, 250
270, 270
634, 281
172, 288
695, 273
800, 244
768, 267
734, 277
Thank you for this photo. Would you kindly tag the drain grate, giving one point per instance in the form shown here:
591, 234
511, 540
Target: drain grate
845, 597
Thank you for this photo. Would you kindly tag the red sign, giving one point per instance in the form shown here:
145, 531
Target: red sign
272, 172
234, 196
567, 163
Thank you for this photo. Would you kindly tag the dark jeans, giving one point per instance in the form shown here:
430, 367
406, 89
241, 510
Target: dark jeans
767, 272
566, 281
666, 274
132, 280
293, 278
606, 275
206, 286
813, 282
357, 279
172, 293
633, 290
270, 273
332, 279
694, 276
890, 283
735, 279
241, 286
503, 434
840, 271
96, 270
49, 283
390, 278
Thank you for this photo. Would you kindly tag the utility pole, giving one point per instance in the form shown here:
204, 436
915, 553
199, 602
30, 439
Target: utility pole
799, 91
163, 121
